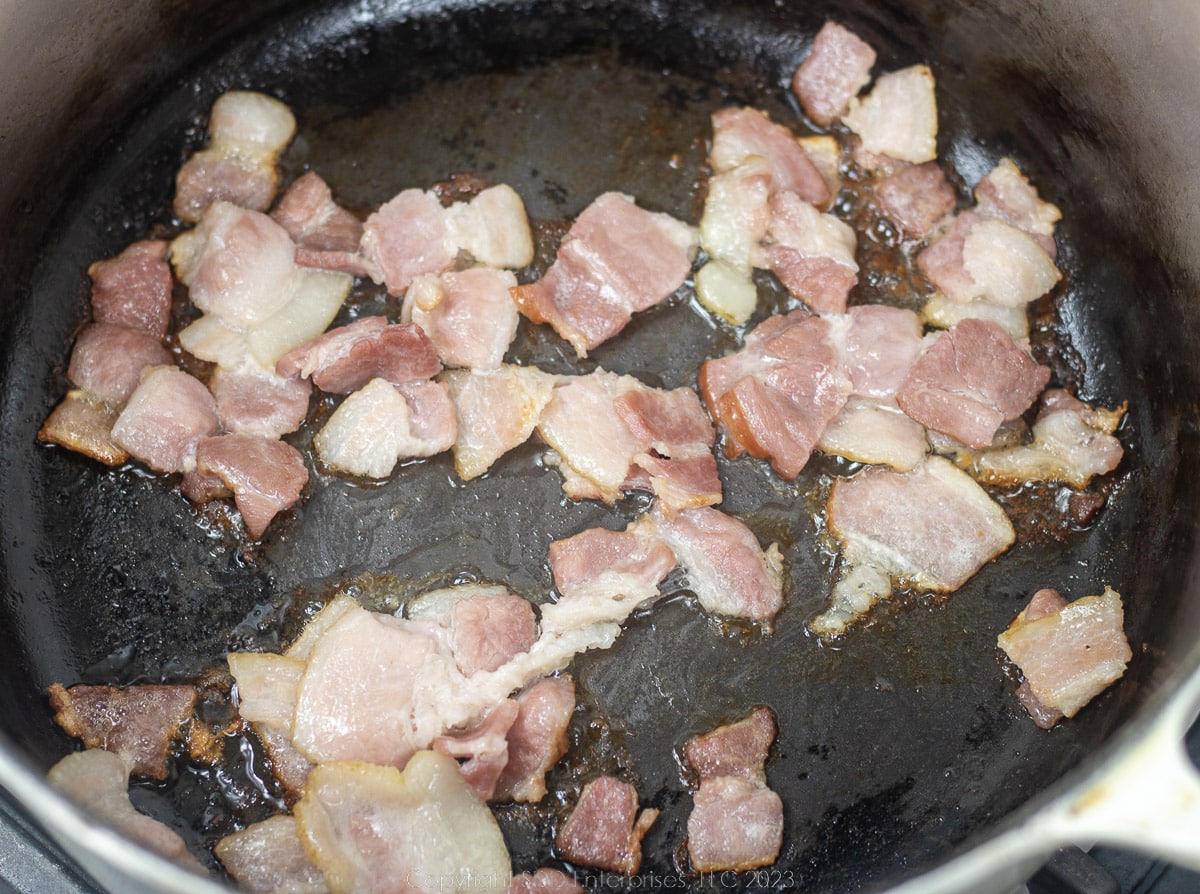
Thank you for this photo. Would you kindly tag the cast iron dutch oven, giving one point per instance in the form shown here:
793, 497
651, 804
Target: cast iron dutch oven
903, 758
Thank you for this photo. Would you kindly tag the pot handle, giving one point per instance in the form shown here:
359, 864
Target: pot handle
1147, 798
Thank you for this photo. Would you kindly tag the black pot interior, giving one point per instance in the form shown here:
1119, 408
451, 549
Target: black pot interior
898, 744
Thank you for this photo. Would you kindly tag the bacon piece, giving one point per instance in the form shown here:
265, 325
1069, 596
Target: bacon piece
247, 131
482, 752
599, 562
1072, 443
166, 416
266, 476
978, 258
941, 312
237, 264
605, 829
775, 397
877, 433
969, 381
734, 749
267, 858
898, 118
613, 433
544, 881
314, 220
1004, 193
617, 259
469, 316
348, 357
108, 359
739, 133
915, 198
83, 423
134, 288
931, 528
257, 402
878, 346
811, 253
408, 236
496, 411
366, 827
380, 424
139, 723
734, 825
492, 228
836, 68
98, 781
536, 739
357, 697
1070, 655
266, 686
729, 571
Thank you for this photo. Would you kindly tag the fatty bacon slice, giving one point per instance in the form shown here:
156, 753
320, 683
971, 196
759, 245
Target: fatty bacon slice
612, 433
617, 259
837, 67
1068, 652
931, 528
374, 828
736, 821
247, 133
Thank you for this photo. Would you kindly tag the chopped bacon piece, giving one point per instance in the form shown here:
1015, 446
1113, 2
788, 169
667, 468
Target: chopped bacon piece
139, 723
837, 67
617, 259
345, 359
598, 561
969, 381
877, 433
266, 686
736, 822
469, 315
915, 198
369, 827
406, 237
729, 571
166, 416
544, 881
898, 118
739, 133
98, 781
290, 767
267, 858
979, 258
314, 220
482, 752
237, 264
775, 397
613, 433
496, 411
1006, 194
1070, 655
737, 212
878, 345
734, 825
536, 739
134, 288
248, 131
266, 476
380, 424
257, 402
1072, 443
83, 423
493, 228
108, 359
932, 527
735, 749
605, 829
811, 253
